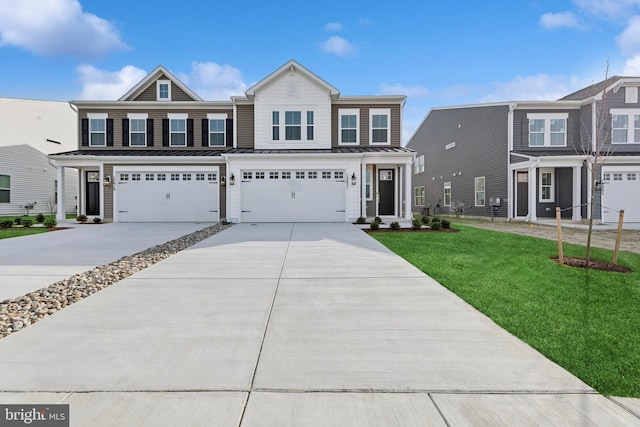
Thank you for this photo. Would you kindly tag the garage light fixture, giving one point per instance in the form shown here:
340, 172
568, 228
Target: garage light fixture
223, 180
353, 178
232, 180
107, 180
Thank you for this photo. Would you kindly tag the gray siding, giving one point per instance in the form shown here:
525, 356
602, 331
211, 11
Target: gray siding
563, 190
245, 132
481, 138
150, 93
617, 100
521, 132
108, 195
396, 130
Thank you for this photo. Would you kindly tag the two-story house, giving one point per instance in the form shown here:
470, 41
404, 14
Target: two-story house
521, 160
290, 149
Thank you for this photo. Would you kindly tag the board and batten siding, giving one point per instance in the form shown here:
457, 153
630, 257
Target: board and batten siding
292, 92
481, 149
245, 126
394, 121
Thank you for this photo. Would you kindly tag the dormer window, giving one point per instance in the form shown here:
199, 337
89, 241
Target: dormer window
164, 90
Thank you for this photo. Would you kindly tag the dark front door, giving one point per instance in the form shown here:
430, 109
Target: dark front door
386, 191
92, 196
522, 193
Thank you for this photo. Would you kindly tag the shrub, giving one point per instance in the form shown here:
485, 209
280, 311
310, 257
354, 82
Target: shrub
378, 220
361, 220
27, 223
97, 220
425, 220
435, 219
6, 224
446, 223
81, 218
18, 221
50, 222
374, 225
437, 225
395, 225
416, 223
40, 218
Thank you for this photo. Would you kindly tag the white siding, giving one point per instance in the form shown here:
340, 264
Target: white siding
292, 92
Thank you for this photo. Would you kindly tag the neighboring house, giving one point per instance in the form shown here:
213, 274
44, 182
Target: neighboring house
291, 149
520, 160
29, 131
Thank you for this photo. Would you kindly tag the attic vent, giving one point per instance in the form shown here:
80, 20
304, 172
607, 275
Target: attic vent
631, 95
450, 146
293, 89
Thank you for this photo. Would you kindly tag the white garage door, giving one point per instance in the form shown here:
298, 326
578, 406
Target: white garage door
293, 196
167, 195
621, 191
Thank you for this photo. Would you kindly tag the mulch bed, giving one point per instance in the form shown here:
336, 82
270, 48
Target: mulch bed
594, 264
422, 230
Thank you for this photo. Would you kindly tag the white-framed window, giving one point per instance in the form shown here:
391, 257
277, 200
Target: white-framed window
292, 125
419, 196
217, 129
479, 191
348, 120
97, 129
275, 125
310, 124
418, 164
625, 126
547, 129
163, 89
447, 193
5, 189
368, 186
546, 186
137, 129
380, 126
177, 129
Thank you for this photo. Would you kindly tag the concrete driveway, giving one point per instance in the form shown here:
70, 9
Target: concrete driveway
290, 325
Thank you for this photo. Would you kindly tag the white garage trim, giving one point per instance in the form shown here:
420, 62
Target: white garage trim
621, 189
166, 194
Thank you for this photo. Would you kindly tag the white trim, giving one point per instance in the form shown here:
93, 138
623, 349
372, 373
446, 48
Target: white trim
547, 117
475, 191
138, 116
98, 116
178, 116
380, 112
158, 84
444, 197
630, 113
217, 116
348, 112
368, 181
552, 195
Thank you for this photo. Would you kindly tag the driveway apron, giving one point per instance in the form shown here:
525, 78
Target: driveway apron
289, 324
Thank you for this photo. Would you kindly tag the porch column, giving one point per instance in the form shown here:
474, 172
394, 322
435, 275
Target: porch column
60, 202
533, 191
363, 189
577, 193
407, 191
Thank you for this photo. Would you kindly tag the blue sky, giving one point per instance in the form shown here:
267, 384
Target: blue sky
437, 53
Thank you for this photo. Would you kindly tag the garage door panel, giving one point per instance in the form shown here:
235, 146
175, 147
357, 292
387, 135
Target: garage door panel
621, 190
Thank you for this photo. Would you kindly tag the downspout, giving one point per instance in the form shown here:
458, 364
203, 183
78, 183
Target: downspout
510, 192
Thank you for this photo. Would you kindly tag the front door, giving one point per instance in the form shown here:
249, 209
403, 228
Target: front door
92, 196
522, 193
386, 192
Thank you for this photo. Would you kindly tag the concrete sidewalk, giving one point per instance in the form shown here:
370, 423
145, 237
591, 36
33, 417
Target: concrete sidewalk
290, 325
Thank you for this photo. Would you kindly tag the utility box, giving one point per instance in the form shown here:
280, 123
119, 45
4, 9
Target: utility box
494, 201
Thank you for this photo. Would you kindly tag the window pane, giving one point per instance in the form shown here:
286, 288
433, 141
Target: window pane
216, 125
379, 135
536, 125
164, 90
275, 118
178, 139
5, 196
216, 139
292, 133
546, 193
546, 179
309, 117
5, 181
178, 125
619, 135
292, 118
97, 125
309, 133
379, 121
557, 125
138, 139
349, 121
536, 139
557, 139
348, 135
620, 121
97, 139
137, 125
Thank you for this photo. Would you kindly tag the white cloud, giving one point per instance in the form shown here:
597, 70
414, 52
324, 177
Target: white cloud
416, 91
213, 81
541, 87
333, 26
338, 45
611, 9
632, 66
107, 85
551, 20
629, 39
56, 27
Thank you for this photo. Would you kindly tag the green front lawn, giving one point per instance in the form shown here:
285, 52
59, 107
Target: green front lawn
6, 233
586, 321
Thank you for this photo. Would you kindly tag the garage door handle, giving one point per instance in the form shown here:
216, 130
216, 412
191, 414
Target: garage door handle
123, 211
338, 210
245, 211
213, 211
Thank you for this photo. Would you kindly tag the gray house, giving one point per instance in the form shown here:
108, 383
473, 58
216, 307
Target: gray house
521, 160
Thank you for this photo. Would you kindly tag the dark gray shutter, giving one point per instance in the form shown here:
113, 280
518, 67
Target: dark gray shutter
189, 132
109, 132
524, 133
229, 132
205, 132
85, 132
165, 132
570, 136
125, 132
149, 132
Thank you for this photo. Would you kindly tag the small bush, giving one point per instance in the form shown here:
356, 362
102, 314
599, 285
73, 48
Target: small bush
40, 218
97, 220
436, 225
378, 220
374, 225
50, 222
81, 218
446, 223
361, 220
395, 225
425, 220
18, 221
416, 223
27, 223
436, 219
6, 224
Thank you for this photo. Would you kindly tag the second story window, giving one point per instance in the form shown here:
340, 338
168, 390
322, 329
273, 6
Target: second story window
217, 130
137, 129
309, 125
97, 130
379, 126
547, 130
163, 88
625, 126
177, 132
275, 122
348, 120
292, 125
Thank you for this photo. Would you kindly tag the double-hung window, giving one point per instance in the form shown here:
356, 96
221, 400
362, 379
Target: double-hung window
447, 193
479, 191
137, 129
625, 126
217, 130
5, 189
177, 130
97, 129
547, 129
348, 120
275, 124
546, 186
299, 126
368, 185
379, 126
292, 125
418, 164
419, 196
310, 126
163, 90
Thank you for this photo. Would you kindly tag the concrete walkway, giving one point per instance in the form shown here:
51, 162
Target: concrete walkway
290, 325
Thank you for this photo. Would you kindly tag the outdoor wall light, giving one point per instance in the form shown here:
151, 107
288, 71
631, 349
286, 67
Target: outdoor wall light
107, 180
232, 180
353, 178
223, 180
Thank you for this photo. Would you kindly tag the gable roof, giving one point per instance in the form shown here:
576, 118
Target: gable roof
592, 90
289, 67
151, 78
